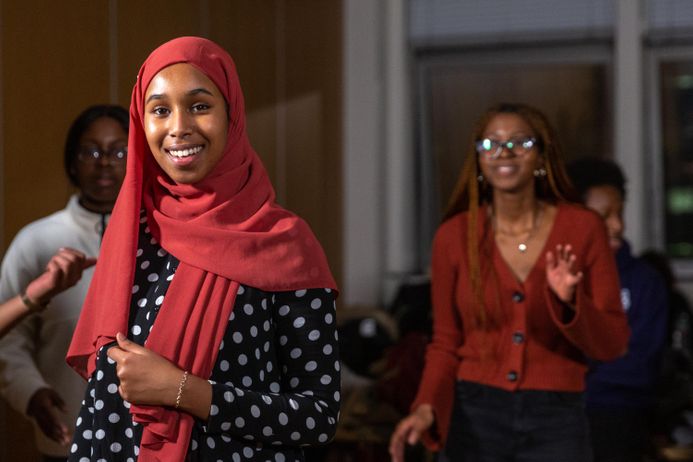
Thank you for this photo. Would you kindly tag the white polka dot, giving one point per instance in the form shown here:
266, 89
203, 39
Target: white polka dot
87, 434
128, 432
236, 457
170, 278
325, 379
213, 409
139, 252
73, 449
284, 310
274, 387
322, 438
225, 426
193, 444
241, 289
329, 291
299, 322
266, 326
253, 331
266, 347
310, 423
257, 353
242, 360
79, 421
336, 396
99, 375
267, 431
116, 447
161, 252
145, 264
336, 366
314, 335
311, 366
98, 405
295, 436
255, 411
293, 404
210, 442
141, 302
237, 337
269, 366
293, 383
279, 457
295, 353
261, 375
327, 349
135, 288
248, 309
100, 434
267, 399
247, 381
316, 303
224, 365
136, 330
283, 418
153, 277
263, 303
159, 300
84, 459
328, 318
113, 417
228, 397
240, 422
283, 340
301, 293
248, 452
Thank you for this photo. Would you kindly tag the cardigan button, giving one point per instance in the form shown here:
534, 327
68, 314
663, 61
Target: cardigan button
512, 376
518, 337
518, 297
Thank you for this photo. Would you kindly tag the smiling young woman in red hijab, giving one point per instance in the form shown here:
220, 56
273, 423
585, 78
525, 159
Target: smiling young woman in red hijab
225, 298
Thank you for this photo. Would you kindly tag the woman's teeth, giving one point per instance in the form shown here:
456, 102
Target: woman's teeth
185, 152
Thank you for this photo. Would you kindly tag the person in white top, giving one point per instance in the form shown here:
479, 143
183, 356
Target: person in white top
34, 378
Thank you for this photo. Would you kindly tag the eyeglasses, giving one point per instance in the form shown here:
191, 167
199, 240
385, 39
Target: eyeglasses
491, 149
93, 155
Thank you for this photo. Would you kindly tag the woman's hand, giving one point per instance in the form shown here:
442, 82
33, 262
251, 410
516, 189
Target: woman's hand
561, 275
409, 431
145, 377
63, 271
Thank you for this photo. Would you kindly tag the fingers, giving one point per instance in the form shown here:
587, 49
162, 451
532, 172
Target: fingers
116, 354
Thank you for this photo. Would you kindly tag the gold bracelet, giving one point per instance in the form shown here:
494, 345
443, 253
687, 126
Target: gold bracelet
181, 385
32, 305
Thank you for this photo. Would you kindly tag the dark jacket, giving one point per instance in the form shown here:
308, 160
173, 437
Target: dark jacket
629, 381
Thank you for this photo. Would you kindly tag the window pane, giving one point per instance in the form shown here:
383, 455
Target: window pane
677, 145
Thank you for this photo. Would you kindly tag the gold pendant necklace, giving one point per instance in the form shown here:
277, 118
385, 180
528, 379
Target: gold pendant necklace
522, 246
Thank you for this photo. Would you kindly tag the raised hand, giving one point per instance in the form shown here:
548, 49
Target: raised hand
63, 271
48, 409
145, 376
409, 431
561, 274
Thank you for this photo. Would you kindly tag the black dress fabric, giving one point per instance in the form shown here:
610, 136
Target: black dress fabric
275, 384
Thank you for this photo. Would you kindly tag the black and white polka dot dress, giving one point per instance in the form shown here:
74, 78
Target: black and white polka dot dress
275, 385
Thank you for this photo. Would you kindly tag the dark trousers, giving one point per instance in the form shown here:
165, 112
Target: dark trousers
618, 435
493, 425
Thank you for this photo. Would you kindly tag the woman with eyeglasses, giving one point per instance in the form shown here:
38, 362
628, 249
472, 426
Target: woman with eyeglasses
53, 252
524, 289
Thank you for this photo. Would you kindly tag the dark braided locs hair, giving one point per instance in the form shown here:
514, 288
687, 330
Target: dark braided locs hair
469, 193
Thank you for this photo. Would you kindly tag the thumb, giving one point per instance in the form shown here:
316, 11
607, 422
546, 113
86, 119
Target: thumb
126, 344
88, 262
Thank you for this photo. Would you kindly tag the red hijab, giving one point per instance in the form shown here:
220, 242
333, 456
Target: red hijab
226, 230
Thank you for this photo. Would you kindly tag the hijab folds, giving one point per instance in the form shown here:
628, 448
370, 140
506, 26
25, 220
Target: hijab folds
226, 230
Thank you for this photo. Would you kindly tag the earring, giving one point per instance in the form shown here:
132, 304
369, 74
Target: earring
480, 178
540, 172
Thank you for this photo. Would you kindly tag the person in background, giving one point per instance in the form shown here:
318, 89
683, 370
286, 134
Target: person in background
620, 394
524, 286
34, 378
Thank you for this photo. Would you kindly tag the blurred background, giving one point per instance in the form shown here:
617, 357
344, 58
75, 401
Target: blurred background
362, 109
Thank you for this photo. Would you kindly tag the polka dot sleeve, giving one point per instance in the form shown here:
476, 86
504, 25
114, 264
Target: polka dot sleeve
286, 389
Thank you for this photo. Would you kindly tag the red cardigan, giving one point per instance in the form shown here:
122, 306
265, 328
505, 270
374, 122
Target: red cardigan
529, 345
